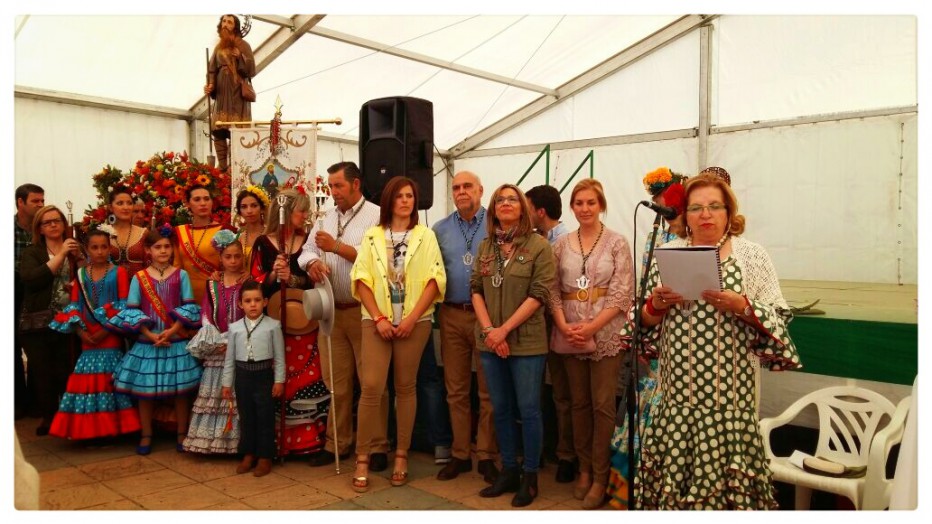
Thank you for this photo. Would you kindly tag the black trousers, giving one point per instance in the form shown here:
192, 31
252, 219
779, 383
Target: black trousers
256, 411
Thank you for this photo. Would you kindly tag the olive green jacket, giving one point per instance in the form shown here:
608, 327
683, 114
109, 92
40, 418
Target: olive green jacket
529, 274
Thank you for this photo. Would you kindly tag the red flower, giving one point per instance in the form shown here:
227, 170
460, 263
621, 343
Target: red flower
675, 196
169, 155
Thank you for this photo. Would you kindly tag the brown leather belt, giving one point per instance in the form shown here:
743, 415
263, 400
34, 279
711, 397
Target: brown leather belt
586, 295
346, 305
464, 307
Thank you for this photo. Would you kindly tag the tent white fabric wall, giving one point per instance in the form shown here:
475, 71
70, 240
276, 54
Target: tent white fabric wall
60, 146
831, 200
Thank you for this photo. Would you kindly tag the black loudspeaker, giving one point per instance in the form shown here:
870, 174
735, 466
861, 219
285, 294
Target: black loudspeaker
396, 138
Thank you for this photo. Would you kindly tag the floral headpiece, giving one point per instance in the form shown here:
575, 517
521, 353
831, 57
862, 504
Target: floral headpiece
222, 239
165, 230
658, 180
260, 195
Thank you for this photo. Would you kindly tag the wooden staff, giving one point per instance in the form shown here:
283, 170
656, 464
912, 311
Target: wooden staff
211, 159
283, 289
72, 232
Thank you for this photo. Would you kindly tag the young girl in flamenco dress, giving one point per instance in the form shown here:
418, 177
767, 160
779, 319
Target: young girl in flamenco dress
160, 308
214, 426
90, 408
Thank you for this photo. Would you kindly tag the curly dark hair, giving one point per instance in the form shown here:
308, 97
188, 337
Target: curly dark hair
236, 25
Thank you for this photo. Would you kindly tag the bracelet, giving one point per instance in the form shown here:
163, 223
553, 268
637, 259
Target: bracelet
380, 318
336, 246
488, 328
651, 310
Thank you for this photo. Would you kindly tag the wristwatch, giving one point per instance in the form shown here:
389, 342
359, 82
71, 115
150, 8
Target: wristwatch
485, 332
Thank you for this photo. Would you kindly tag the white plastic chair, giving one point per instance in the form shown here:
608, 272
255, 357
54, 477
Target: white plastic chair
850, 422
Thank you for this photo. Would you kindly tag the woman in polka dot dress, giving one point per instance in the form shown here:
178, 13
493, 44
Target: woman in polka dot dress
306, 396
703, 449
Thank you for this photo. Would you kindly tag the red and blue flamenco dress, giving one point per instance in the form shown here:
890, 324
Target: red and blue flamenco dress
90, 408
148, 372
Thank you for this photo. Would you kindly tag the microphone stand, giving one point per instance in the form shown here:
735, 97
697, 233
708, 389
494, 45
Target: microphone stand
631, 401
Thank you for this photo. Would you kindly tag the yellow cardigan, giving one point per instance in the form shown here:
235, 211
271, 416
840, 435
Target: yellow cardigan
423, 263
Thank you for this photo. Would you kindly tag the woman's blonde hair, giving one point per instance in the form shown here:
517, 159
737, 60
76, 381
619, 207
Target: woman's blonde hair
524, 222
37, 237
296, 202
593, 185
735, 221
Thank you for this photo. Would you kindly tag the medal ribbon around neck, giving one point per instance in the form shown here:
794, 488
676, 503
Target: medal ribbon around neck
467, 257
583, 281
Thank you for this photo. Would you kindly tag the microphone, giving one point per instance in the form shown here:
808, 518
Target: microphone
666, 212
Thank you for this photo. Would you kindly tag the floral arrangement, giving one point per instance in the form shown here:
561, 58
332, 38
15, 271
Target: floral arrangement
659, 179
160, 182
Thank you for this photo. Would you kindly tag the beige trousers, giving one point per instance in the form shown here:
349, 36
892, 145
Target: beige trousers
459, 353
346, 342
377, 354
592, 388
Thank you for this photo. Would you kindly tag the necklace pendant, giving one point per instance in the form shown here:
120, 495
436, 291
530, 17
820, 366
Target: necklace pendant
582, 282
497, 280
468, 259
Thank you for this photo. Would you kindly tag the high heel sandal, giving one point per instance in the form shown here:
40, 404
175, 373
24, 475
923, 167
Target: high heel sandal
361, 484
144, 450
400, 478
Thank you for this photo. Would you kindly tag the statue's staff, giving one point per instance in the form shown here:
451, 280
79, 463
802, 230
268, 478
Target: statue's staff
211, 159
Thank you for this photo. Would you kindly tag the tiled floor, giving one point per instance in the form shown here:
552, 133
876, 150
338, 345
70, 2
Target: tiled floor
112, 477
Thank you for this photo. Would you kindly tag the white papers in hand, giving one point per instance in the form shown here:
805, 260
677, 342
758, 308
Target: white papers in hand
689, 270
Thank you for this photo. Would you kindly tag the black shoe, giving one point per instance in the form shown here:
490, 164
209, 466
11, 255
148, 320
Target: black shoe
378, 462
487, 469
42, 430
321, 458
454, 468
508, 481
566, 471
527, 491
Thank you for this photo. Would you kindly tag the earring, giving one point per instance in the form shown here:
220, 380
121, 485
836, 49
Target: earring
111, 219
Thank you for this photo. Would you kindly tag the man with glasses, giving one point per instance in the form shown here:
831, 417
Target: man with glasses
459, 236
29, 199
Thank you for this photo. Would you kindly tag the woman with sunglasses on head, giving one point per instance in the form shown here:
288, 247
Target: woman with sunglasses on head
703, 448
398, 277
511, 280
46, 268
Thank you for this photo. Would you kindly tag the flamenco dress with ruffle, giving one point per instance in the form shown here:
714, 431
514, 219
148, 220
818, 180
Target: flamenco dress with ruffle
89, 407
214, 426
150, 372
307, 400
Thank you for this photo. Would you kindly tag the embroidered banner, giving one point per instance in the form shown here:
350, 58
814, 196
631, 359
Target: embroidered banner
291, 159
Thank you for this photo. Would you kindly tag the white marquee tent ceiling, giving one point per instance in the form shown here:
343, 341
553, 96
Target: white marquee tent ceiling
475, 69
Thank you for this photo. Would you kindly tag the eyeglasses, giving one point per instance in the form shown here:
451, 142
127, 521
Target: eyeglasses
51, 222
696, 209
510, 199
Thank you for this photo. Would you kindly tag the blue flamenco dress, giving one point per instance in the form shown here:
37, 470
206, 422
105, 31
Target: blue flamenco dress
89, 407
148, 372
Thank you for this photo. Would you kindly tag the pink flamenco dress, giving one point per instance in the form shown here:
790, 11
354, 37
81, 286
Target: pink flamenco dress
90, 407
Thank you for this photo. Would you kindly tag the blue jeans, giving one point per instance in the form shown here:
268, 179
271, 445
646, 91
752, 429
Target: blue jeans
431, 398
514, 384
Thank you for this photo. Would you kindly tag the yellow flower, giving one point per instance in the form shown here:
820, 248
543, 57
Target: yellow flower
203, 180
